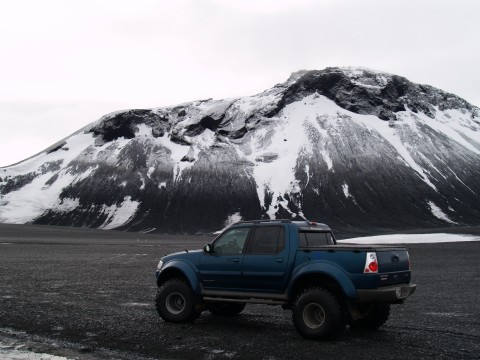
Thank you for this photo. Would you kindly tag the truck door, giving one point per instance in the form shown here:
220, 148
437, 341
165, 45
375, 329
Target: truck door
222, 267
266, 259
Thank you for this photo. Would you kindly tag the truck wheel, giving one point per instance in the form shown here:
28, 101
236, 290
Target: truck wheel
221, 308
175, 302
318, 315
375, 317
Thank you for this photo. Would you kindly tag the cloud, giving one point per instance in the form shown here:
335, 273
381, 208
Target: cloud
30, 127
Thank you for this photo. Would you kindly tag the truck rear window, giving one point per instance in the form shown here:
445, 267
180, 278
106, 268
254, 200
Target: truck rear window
315, 238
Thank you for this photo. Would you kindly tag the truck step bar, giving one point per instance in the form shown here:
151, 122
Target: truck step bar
250, 301
244, 297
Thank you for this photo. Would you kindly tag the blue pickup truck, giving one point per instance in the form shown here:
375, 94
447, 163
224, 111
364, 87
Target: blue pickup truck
295, 264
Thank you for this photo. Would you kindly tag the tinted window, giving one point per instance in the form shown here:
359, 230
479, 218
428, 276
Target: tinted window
231, 242
267, 240
314, 239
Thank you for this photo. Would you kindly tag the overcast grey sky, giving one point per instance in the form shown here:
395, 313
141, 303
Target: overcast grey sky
64, 63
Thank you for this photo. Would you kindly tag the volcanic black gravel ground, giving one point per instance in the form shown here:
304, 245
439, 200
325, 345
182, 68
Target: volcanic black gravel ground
90, 294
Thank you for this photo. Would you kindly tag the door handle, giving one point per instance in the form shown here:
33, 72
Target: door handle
279, 260
236, 260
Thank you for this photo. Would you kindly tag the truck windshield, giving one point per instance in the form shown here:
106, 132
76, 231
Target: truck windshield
315, 238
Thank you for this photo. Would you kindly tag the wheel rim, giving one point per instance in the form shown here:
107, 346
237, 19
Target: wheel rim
175, 303
313, 315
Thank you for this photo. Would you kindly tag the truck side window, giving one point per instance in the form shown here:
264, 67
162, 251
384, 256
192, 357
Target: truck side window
232, 242
303, 239
267, 240
315, 239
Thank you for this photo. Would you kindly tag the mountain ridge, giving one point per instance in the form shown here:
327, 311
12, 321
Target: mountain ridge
351, 147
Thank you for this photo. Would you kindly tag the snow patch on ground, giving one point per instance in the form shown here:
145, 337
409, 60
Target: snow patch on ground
120, 215
326, 156
143, 131
16, 352
457, 126
179, 151
347, 194
438, 213
287, 141
151, 169
66, 205
411, 239
392, 135
32, 200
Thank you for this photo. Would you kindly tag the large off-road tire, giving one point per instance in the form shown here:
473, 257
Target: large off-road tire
318, 315
222, 308
375, 316
175, 302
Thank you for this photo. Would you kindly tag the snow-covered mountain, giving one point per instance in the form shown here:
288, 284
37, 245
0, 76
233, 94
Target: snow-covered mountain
350, 147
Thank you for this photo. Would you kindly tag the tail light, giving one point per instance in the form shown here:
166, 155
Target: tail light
371, 263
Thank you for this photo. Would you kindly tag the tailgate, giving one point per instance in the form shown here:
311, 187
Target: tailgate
393, 266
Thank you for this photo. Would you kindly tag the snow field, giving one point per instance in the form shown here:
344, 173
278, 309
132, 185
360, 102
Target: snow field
9, 352
411, 239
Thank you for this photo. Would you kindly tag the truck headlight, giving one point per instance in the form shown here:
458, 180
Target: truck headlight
160, 264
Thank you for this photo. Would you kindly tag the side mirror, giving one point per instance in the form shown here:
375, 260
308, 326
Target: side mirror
208, 248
